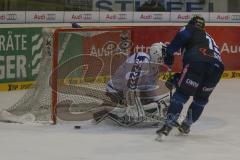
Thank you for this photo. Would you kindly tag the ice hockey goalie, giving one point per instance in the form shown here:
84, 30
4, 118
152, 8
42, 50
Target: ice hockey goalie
136, 88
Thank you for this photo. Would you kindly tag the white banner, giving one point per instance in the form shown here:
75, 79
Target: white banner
186, 16
81, 17
225, 17
44, 17
116, 17
12, 17
111, 17
151, 16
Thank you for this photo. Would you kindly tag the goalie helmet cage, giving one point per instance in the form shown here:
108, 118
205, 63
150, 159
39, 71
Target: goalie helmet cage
64, 86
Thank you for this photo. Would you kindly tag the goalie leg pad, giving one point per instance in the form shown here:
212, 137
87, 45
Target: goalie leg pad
100, 115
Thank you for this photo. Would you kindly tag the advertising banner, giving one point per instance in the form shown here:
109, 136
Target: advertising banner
225, 17
81, 17
12, 17
21, 50
186, 16
116, 17
44, 17
168, 5
225, 37
151, 16
20, 54
229, 44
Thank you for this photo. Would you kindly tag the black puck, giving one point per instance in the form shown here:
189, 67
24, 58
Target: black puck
77, 127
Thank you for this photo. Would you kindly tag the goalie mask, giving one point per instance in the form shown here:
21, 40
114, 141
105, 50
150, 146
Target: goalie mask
156, 53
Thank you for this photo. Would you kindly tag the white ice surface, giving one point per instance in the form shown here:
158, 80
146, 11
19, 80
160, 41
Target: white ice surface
215, 137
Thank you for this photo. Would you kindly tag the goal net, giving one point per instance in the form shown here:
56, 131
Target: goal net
75, 66
74, 69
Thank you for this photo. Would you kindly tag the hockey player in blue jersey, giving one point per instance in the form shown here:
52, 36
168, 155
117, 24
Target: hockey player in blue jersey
202, 70
140, 72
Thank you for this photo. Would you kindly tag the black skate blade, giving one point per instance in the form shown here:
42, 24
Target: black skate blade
11, 121
182, 134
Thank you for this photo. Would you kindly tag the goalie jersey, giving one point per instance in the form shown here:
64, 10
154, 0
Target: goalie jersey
135, 73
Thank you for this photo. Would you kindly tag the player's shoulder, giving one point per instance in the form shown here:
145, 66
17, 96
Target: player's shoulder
188, 28
207, 34
186, 31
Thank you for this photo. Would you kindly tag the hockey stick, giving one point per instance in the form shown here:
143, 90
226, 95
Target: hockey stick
169, 75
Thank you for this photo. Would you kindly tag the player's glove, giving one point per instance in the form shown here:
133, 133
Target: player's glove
172, 81
168, 59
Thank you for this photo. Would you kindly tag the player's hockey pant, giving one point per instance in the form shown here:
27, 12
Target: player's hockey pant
175, 108
198, 80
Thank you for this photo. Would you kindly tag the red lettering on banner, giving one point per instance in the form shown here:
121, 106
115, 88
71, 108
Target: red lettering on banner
145, 16
39, 17
108, 16
183, 17
77, 17
81, 17
2, 17
223, 17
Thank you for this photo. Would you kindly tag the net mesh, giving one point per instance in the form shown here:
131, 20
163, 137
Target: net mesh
85, 61
74, 68
36, 101
89, 60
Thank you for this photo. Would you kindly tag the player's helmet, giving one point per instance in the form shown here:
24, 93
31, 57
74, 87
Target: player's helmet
197, 21
156, 52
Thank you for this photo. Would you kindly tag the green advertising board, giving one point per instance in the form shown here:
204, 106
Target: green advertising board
20, 54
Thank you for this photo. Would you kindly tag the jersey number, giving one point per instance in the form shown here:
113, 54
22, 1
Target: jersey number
213, 46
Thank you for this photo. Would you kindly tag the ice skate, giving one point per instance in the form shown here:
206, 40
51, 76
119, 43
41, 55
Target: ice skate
184, 128
162, 132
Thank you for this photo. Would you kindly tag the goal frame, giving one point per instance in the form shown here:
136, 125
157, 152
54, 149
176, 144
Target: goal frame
54, 99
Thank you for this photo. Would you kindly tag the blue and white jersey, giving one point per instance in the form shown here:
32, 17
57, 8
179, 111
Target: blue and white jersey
197, 45
135, 73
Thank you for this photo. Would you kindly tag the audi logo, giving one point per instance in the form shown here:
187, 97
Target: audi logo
11, 17
157, 16
122, 16
51, 16
235, 17
87, 16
